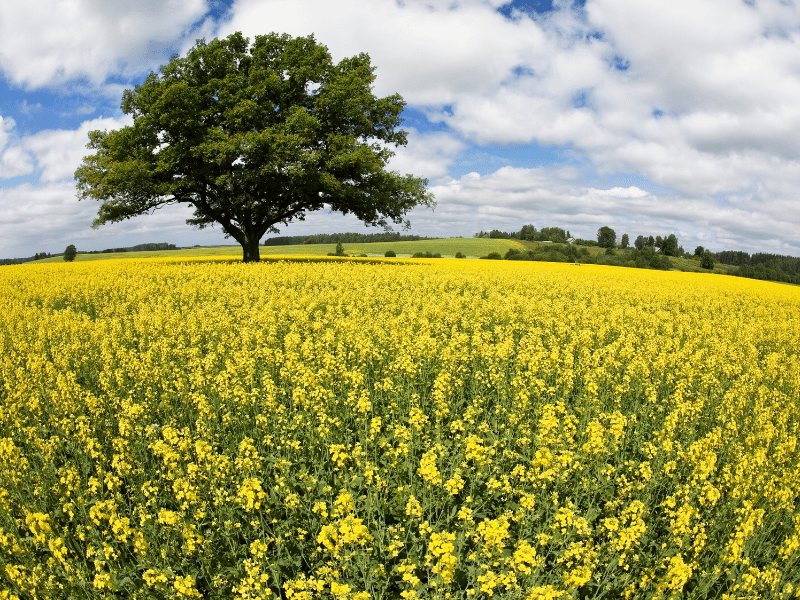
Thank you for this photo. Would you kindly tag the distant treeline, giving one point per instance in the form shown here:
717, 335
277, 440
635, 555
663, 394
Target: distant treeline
528, 233
139, 248
769, 267
646, 258
344, 238
19, 261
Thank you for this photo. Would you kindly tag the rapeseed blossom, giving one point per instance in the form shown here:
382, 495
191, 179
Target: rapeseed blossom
445, 429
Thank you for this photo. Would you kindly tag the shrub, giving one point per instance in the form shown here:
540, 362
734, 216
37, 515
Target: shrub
493, 256
460, 255
390, 254
529, 255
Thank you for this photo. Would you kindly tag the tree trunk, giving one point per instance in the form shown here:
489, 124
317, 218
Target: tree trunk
251, 251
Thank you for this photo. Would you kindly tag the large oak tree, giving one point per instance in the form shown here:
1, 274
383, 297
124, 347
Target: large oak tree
252, 137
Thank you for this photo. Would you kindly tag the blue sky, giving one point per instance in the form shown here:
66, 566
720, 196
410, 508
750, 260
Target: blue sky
650, 117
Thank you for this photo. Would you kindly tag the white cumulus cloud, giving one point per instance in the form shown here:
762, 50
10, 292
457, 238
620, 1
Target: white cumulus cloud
50, 42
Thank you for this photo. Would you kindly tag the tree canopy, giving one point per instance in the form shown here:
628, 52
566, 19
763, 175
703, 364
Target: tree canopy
606, 237
252, 137
70, 253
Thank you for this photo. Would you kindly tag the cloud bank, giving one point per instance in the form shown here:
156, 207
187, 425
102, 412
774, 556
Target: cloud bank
676, 117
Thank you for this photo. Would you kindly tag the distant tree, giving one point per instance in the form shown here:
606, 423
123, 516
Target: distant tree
552, 234
707, 261
699, 251
606, 237
70, 253
668, 245
390, 254
625, 242
528, 233
252, 136
640, 242
651, 242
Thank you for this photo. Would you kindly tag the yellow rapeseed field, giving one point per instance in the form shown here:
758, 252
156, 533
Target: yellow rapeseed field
438, 429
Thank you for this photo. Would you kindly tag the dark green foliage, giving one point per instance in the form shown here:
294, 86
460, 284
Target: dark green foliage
640, 242
553, 234
460, 255
339, 250
527, 233
426, 254
530, 234
252, 136
493, 256
70, 253
707, 261
138, 248
768, 267
345, 238
610, 251
734, 257
668, 245
390, 254
606, 237
495, 234
625, 241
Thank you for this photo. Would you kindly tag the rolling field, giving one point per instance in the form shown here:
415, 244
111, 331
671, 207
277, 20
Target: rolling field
471, 247
418, 429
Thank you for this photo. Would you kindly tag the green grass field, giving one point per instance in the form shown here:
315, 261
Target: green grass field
447, 247
471, 247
